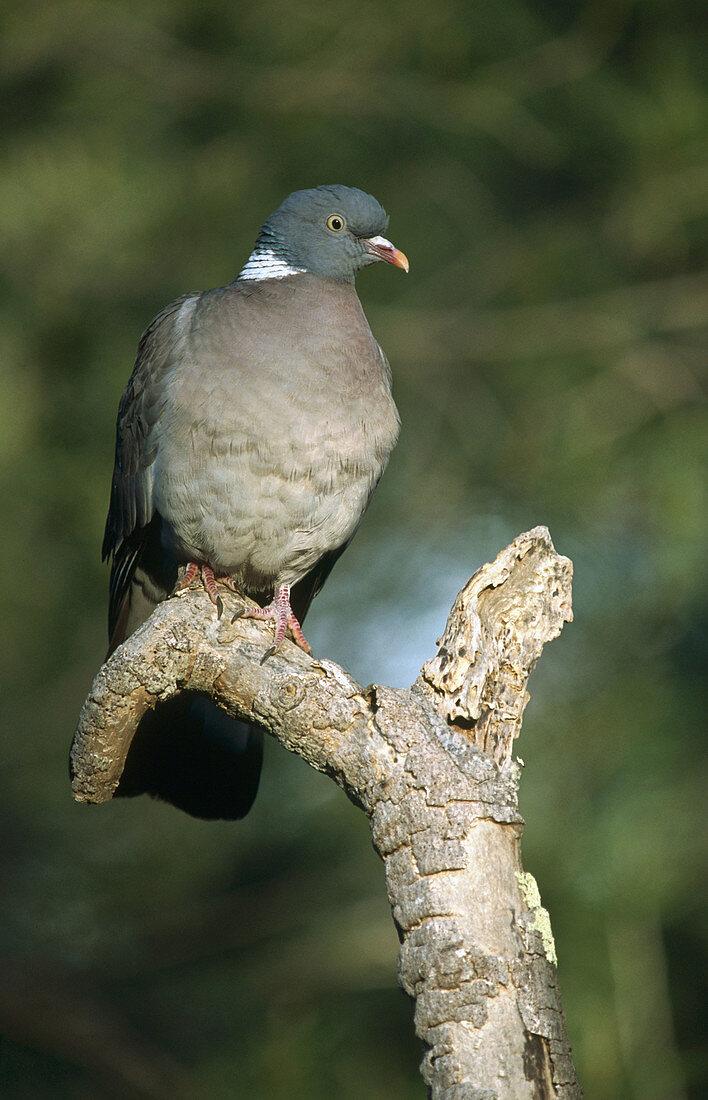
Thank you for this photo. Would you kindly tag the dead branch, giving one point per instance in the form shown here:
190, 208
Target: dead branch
433, 769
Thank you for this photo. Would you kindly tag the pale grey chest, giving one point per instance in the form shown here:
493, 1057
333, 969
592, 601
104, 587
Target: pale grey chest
264, 465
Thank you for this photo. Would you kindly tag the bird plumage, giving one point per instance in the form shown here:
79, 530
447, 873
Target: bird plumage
253, 430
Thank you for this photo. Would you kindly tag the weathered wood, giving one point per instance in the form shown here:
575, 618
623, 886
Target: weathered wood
432, 767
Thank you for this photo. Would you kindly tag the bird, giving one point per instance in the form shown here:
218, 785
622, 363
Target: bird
254, 428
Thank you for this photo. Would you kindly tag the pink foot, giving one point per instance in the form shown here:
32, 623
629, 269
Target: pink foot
209, 580
281, 612
189, 575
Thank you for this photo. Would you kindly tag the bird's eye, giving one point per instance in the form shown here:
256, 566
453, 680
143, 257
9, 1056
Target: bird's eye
335, 222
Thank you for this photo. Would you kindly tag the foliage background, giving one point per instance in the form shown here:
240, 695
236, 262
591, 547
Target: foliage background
545, 168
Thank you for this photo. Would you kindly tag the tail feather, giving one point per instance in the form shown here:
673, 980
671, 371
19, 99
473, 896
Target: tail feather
186, 751
189, 753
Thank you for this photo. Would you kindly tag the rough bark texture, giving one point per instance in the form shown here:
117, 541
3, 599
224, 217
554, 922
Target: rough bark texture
432, 767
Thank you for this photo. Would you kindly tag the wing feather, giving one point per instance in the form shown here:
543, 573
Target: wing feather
132, 510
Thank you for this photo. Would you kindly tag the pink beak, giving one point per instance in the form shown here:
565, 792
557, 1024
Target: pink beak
384, 250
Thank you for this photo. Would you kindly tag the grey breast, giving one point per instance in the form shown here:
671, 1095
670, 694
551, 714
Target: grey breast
276, 425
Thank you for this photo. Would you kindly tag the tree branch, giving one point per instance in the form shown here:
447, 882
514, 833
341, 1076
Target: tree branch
432, 767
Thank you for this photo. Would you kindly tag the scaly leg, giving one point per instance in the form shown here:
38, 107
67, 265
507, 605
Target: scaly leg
209, 580
189, 575
281, 612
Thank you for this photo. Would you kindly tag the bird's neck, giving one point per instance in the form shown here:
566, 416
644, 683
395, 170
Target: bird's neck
269, 259
263, 263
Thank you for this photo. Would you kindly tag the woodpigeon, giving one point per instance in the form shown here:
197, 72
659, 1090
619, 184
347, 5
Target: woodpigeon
251, 435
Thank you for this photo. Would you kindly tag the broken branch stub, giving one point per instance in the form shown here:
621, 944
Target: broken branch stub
494, 635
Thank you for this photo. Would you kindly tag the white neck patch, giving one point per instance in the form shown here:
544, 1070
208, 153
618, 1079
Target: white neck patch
264, 264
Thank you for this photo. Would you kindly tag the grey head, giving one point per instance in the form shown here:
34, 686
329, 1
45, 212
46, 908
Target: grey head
329, 231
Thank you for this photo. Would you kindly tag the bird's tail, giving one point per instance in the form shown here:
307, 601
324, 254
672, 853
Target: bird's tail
189, 753
186, 751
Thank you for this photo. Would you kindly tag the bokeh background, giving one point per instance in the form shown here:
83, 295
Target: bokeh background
545, 166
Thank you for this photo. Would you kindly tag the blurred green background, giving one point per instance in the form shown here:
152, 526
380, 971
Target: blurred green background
545, 166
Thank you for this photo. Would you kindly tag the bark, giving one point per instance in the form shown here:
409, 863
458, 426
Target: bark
432, 767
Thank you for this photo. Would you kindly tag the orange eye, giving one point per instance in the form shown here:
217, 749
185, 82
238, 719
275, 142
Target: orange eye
335, 222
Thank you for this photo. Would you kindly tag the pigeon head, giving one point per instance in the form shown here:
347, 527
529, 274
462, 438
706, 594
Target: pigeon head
328, 231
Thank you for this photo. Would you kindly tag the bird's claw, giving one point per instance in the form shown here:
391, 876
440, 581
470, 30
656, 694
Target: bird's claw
280, 611
209, 581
